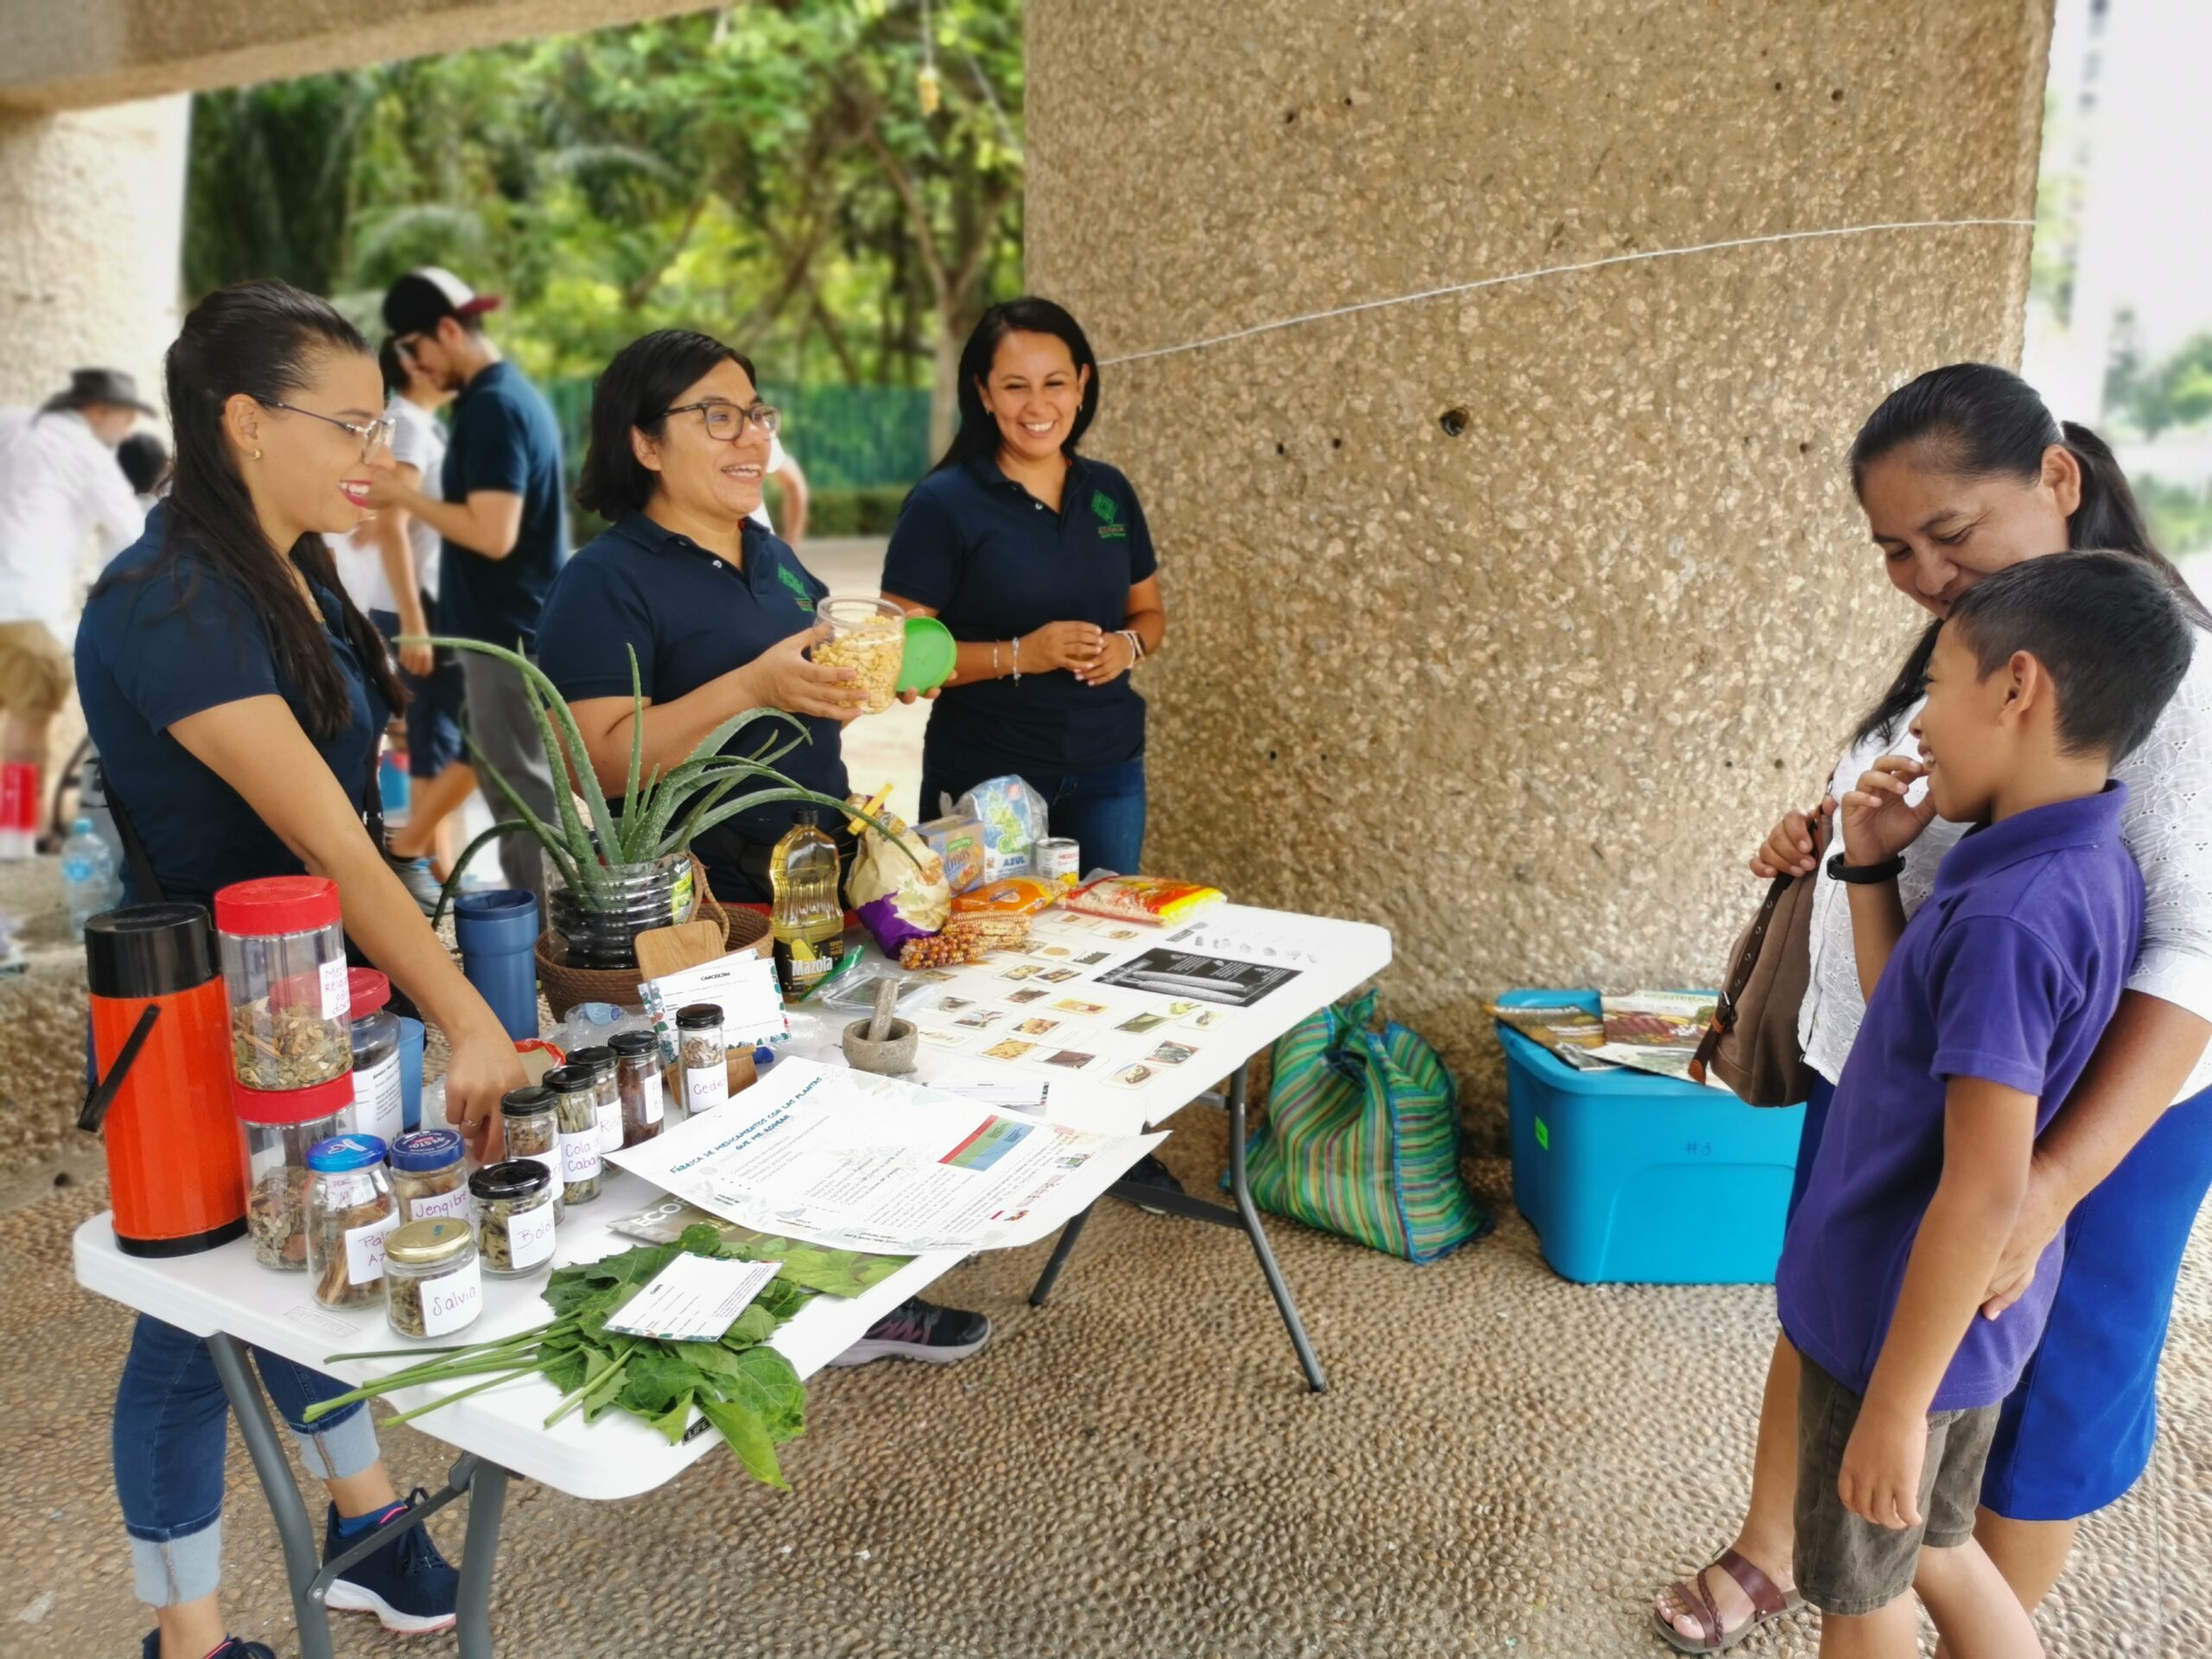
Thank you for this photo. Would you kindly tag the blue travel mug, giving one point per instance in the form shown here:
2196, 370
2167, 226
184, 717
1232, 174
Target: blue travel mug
498, 930
410, 1072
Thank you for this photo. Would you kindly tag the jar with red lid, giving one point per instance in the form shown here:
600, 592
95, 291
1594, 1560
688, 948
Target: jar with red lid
379, 1108
283, 952
279, 1128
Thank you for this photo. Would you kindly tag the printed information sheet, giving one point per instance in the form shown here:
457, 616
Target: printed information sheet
858, 1162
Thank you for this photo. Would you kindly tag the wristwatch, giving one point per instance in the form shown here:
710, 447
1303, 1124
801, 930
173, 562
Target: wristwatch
1864, 876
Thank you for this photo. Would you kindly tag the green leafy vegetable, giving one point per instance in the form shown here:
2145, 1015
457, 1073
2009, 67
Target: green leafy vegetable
748, 1391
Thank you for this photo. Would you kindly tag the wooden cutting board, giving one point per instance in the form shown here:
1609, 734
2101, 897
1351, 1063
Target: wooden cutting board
665, 950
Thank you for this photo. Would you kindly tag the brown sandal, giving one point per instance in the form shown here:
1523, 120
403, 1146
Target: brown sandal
1695, 1597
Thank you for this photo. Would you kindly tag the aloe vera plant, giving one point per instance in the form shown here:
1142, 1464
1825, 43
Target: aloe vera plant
581, 844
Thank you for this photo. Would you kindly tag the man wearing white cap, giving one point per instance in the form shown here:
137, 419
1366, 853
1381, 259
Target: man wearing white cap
502, 518
61, 487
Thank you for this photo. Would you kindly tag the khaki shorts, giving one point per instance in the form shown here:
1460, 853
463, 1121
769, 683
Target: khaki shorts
35, 673
1850, 1566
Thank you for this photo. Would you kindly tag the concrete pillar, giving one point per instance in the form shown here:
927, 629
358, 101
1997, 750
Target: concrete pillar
92, 217
1512, 617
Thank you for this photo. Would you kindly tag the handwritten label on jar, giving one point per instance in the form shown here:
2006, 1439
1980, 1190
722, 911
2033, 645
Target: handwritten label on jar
376, 1107
530, 1235
580, 1156
365, 1250
610, 1125
337, 995
651, 1091
454, 1203
453, 1301
705, 1087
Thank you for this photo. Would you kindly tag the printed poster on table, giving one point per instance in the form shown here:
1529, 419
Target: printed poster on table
1186, 975
841, 1159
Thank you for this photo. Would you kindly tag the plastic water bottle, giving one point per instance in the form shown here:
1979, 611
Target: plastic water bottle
89, 881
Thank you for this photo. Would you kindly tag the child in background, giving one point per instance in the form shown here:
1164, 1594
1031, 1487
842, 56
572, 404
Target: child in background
1981, 1014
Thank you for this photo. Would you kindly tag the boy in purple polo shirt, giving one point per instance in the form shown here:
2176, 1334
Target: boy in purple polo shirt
1981, 1015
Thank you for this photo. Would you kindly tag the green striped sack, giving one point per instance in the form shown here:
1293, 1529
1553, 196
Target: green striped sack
1362, 1137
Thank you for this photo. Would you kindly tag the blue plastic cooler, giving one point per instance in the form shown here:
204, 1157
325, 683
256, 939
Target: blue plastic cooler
1629, 1178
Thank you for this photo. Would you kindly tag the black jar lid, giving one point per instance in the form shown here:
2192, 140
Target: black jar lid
527, 1101
571, 1079
149, 950
518, 1177
630, 1044
593, 1058
699, 1016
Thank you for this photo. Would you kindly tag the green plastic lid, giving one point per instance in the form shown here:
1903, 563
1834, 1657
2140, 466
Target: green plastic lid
930, 653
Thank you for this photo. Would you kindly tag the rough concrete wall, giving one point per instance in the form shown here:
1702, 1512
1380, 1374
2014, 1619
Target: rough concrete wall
92, 52
1528, 694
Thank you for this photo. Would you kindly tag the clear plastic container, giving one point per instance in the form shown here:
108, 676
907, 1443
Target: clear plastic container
575, 1108
283, 953
513, 1206
277, 1131
533, 1131
700, 1054
351, 1211
638, 1078
869, 637
428, 1177
606, 1092
432, 1285
378, 1106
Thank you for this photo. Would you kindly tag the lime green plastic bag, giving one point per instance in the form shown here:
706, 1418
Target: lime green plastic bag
1362, 1137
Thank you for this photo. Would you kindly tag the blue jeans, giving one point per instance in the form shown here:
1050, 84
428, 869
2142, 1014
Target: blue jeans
434, 705
1102, 810
171, 1417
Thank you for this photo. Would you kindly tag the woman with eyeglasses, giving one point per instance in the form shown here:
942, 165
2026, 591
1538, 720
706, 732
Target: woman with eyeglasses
719, 611
237, 696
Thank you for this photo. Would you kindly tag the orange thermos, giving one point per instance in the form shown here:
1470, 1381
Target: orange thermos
162, 1046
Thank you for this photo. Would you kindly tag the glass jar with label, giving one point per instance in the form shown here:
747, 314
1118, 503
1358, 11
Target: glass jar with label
606, 1092
432, 1287
533, 1131
283, 950
513, 1206
637, 1055
279, 1129
427, 1177
700, 1053
575, 1110
378, 1108
351, 1211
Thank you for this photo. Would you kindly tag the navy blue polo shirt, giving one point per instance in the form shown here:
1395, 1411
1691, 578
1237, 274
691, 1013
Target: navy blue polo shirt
691, 618
504, 438
162, 640
2009, 973
994, 563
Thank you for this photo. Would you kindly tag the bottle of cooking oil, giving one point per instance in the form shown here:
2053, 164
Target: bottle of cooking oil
808, 921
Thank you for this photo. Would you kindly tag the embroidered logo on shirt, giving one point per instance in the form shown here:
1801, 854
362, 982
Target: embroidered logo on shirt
1108, 526
799, 595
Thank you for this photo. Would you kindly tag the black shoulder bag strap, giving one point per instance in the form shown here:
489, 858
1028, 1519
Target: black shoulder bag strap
143, 879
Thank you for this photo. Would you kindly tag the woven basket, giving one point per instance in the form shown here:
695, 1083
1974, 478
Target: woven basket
566, 986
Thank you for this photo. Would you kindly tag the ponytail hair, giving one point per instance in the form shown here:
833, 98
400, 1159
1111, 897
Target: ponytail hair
260, 339
1979, 421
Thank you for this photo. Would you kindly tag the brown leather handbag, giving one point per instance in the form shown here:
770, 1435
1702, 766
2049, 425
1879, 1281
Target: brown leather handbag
1752, 1045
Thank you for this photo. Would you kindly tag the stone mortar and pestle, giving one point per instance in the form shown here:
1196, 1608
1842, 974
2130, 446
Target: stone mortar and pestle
880, 1044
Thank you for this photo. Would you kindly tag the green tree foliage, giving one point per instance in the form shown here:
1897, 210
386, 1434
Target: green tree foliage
2172, 394
769, 173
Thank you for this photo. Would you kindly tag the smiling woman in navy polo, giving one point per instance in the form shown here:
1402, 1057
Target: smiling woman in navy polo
718, 610
1038, 561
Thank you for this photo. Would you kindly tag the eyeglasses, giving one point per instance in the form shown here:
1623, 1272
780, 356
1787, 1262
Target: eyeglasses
726, 422
373, 436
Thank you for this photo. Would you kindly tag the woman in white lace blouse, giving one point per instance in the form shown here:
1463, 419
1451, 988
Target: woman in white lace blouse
1963, 472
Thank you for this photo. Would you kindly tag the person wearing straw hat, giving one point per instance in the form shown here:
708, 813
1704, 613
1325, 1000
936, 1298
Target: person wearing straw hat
60, 488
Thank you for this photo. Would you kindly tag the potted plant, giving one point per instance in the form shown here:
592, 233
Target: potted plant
619, 876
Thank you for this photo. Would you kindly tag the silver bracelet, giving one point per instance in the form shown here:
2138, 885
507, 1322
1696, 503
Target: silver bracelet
995, 671
1136, 645
1014, 653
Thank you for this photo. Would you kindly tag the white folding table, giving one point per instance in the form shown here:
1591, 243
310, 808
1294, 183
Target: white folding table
227, 1298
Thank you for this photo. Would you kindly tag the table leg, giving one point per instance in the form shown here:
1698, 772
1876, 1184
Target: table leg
1240, 1190
479, 1554
303, 1551
1061, 1252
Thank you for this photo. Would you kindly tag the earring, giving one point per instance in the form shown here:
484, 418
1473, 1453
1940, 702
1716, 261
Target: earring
256, 455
